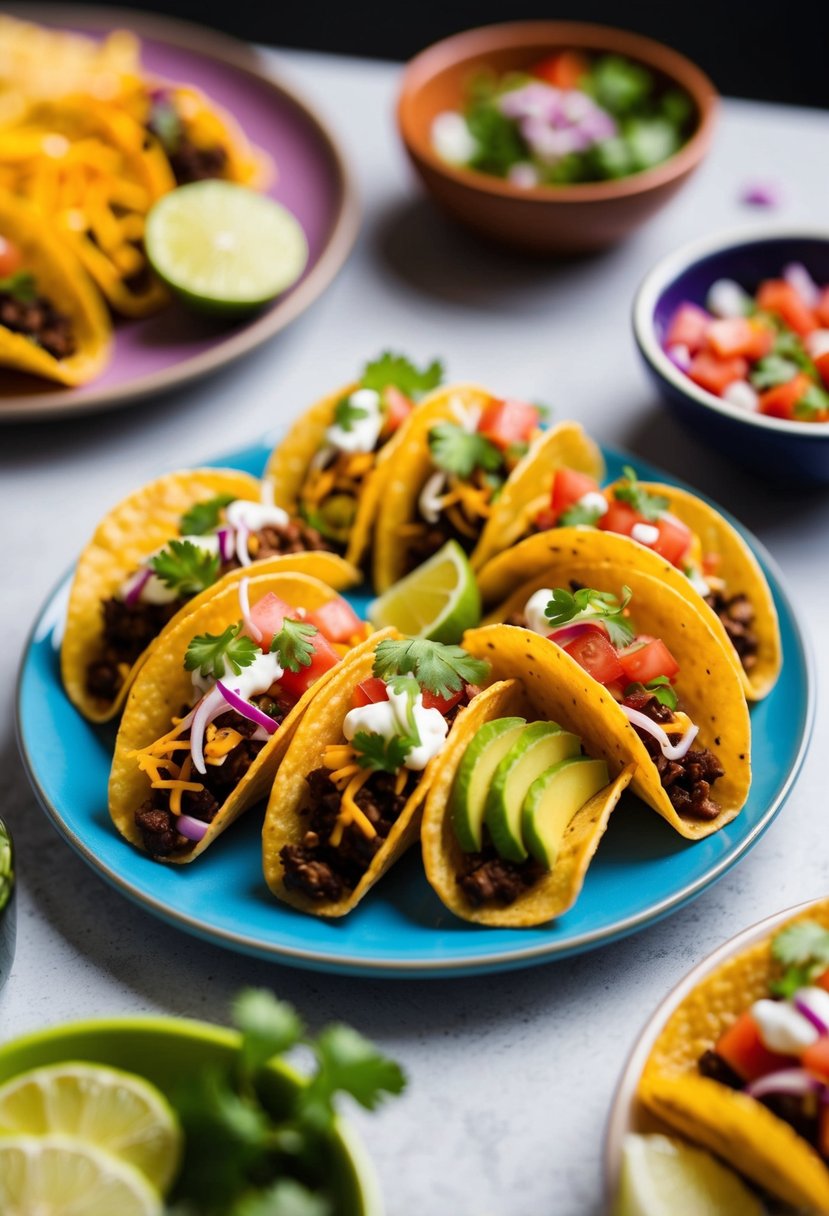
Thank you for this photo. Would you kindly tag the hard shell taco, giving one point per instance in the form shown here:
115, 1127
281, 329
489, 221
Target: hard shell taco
214, 707
53, 323
352, 785
700, 552
330, 467
742, 1064
157, 555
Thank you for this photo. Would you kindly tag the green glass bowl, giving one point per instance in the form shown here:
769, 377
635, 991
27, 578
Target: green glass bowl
8, 904
167, 1051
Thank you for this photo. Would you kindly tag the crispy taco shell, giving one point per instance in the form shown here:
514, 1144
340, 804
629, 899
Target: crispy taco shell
741, 1130
559, 888
60, 279
163, 686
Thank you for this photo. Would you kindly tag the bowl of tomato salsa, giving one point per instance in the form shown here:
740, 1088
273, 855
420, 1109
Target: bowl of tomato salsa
734, 332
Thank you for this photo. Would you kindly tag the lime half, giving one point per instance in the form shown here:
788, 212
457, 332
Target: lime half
666, 1177
224, 248
59, 1176
103, 1107
439, 600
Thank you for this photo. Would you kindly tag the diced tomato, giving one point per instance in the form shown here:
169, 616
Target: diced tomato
732, 336
268, 616
336, 620
508, 422
822, 310
370, 691
295, 683
568, 487
711, 563
715, 374
11, 259
546, 519
688, 327
779, 297
816, 1058
398, 407
594, 652
645, 663
822, 364
444, 704
620, 517
743, 1050
564, 70
779, 402
674, 539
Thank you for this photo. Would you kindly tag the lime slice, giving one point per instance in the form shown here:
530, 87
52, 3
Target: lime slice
438, 600
665, 1177
224, 248
59, 1176
107, 1109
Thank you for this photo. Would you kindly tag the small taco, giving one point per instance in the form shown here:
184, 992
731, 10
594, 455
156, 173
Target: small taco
688, 543
742, 1064
330, 467
214, 707
515, 813
53, 323
633, 669
465, 460
352, 785
158, 554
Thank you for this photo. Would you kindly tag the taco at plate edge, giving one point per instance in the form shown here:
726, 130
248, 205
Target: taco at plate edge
465, 460
515, 813
688, 542
157, 555
742, 1064
212, 710
351, 787
53, 323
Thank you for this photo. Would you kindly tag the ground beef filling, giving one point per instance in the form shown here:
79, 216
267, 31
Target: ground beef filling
487, 878
40, 321
688, 781
801, 1113
317, 869
157, 823
128, 630
737, 615
276, 540
431, 537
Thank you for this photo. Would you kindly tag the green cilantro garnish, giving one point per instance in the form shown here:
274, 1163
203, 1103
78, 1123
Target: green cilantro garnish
379, 753
212, 654
438, 668
545, 412
813, 402
397, 371
185, 568
567, 607
166, 125
803, 950
789, 345
580, 516
661, 688
346, 414
771, 371
461, 452
20, 286
293, 644
652, 506
203, 517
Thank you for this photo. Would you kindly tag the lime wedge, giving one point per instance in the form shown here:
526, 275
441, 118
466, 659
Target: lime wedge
666, 1177
224, 248
107, 1109
439, 600
59, 1176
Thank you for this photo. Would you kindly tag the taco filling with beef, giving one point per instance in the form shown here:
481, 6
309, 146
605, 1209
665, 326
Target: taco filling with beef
25, 310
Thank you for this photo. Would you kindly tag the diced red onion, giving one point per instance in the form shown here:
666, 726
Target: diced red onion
568, 633
193, 829
207, 709
798, 277
252, 712
761, 194
225, 536
803, 1006
671, 751
242, 554
795, 1081
251, 627
139, 582
680, 356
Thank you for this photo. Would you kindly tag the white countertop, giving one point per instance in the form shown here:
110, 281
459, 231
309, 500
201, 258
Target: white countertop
511, 1075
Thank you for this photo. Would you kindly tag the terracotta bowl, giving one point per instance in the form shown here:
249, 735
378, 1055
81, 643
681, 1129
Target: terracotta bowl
546, 219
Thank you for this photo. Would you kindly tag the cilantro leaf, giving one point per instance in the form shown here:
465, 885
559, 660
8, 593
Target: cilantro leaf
348, 1063
580, 516
346, 414
803, 950
20, 286
459, 451
185, 568
789, 345
203, 517
166, 125
771, 371
269, 1027
567, 607
812, 404
285, 1198
390, 370
293, 644
212, 654
652, 506
438, 668
498, 141
661, 688
378, 753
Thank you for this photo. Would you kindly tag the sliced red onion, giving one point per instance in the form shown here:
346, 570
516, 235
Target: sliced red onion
568, 633
805, 1006
207, 709
193, 829
795, 1081
671, 751
798, 277
761, 194
225, 536
242, 554
137, 585
680, 356
252, 712
251, 627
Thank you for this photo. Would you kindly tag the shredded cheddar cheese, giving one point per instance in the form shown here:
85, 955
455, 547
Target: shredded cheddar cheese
157, 761
349, 778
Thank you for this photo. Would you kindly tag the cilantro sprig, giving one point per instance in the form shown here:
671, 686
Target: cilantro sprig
185, 568
580, 516
293, 644
568, 607
390, 370
458, 451
437, 668
629, 490
212, 654
346, 414
203, 517
803, 951
660, 687
21, 286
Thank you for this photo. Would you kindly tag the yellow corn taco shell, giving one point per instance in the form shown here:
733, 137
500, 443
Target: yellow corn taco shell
163, 686
209, 125
60, 279
708, 685
741, 1130
557, 890
133, 529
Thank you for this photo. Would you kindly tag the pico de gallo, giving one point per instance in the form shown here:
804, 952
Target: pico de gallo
632, 508
571, 117
767, 353
23, 310
640, 673
245, 682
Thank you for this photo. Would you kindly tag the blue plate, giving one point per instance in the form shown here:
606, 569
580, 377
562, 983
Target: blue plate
642, 871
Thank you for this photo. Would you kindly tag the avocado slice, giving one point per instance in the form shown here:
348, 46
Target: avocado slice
552, 801
489, 745
538, 747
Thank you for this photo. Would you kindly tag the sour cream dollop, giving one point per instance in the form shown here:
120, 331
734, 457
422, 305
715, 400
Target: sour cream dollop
154, 590
251, 681
365, 431
389, 719
255, 515
535, 611
782, 1028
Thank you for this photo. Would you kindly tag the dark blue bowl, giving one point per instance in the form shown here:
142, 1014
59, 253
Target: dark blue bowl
786, 451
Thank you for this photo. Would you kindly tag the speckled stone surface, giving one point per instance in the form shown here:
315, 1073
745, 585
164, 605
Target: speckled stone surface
511, 1076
